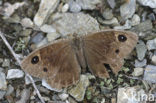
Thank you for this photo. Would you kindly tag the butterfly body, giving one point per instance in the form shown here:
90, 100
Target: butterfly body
60, 62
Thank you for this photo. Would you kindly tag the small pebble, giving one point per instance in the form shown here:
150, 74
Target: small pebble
154, 59
128, 9
150, 3
141, 50
6, 63
65, 8
150, 73
2, 94
74, 7
151, 16
64, 96
14, 73
24, 96
138, 71
47, 28
52, 36
3, 83
111, 3
27, 23
78, 92
37, 38
140, 63
10, 90
107, 14
135, 20
151, 44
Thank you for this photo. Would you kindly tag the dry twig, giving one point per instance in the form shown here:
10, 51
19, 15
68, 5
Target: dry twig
18, 60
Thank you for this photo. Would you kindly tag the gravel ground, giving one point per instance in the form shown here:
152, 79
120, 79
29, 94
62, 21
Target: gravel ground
29, 24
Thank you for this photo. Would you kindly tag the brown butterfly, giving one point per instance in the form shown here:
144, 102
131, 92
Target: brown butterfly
60, 62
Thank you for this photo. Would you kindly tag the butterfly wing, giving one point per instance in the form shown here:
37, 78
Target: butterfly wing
56, 63
105, 51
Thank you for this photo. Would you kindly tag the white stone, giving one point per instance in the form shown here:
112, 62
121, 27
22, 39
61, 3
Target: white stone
45, 9
15, 73
138, 71
3, 83
113, 21
127, 25
52, 36
70, 23
9, 9
150, 3
154, 59
26, 22
135, 20
129, 95
47, 28
88, 4
65, 8
63, 96
78, 92
128, 9
45, 84
151, 44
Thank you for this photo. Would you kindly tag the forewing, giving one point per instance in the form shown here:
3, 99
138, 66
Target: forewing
57, 64
105, 51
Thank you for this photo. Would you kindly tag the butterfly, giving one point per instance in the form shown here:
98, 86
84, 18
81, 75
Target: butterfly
60, 62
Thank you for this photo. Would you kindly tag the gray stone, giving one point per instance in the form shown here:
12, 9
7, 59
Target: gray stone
151, 44
26, 32
140, 63
128, 9
24, 96
129, 95
81, 23
135, 20
2, 94
78, 91
44, 90
27, 23
65, 8
154, 59
3, 83
150, 73
15, 73
141, 50
112, 22
47, 28
45, 84
107, 14
52, 36
127, 25
45, 9
144, 26
111, 3
88, 4
138, 71
151, 16
6, 63
37, 38
9, 90
74, 7
150, 3
9, 9
13, 19
63, 96
42, 42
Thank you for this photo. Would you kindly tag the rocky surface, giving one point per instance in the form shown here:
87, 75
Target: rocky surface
31, 24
